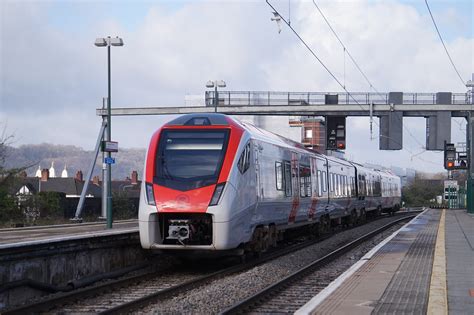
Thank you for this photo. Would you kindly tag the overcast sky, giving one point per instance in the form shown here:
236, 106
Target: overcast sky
53, 77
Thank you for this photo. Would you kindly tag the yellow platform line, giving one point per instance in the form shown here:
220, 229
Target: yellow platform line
438, 299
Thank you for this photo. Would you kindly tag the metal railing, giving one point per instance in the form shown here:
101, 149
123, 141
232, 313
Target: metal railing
261, 98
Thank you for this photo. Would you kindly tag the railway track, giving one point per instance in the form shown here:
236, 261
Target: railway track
292, 292
132, 293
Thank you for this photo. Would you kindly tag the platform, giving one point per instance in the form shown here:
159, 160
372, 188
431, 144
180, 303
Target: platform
18, 237
427, 267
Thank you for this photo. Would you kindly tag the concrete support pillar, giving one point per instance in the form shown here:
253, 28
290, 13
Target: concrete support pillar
391, 125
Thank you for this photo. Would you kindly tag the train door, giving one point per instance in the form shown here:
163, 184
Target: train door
315, 187
259, 184
295, 187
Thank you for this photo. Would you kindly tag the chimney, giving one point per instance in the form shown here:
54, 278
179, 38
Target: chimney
134, 177
79, 176
96, 180
44, 175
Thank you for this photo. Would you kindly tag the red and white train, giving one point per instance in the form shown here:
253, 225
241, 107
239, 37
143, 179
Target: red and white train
213, 183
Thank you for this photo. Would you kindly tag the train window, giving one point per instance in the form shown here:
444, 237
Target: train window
244, 160
320, 184
279, 175
354, 193
346, 184
343, 185
338, 184
377, 188
190, 159
287, 178
324, 180
305, 181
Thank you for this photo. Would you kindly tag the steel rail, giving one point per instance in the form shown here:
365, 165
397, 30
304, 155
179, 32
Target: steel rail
141, 302
63, 298
245, 306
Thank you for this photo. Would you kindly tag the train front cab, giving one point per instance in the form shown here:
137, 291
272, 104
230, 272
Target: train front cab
182, 209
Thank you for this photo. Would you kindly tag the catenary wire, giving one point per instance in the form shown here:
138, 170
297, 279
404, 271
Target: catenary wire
328, 70
442, 41
360, 69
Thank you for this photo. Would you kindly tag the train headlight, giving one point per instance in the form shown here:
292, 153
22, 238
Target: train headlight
217, 194
150, 197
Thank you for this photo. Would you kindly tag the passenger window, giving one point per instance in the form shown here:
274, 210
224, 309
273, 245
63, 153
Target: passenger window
287, 178
347, 189
244, 160
333, 183
305, 181
279, 175
320, 184
325, 181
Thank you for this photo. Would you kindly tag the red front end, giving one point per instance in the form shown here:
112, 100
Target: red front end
188, 163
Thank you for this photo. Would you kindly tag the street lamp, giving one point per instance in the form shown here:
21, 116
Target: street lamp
107, 42
214, 84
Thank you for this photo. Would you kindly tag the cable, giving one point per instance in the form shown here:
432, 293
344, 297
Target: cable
360, 69
442, 41
329, 71
315, 56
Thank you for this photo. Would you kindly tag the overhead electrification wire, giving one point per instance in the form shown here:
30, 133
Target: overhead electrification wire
315, 56
442, 42
326, 68
347, 51
359, 68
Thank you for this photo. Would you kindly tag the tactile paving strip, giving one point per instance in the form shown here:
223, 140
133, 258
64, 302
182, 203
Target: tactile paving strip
408, 291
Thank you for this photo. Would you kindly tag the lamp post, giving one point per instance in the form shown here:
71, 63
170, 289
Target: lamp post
108, 42
214, 84
470, 151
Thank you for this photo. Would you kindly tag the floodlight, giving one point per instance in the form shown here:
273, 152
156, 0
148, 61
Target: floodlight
210, 84
117, 41
100, 42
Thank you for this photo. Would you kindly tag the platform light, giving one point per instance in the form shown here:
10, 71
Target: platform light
108, 42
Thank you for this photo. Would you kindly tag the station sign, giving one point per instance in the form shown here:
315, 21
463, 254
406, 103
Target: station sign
109, 146
109, 160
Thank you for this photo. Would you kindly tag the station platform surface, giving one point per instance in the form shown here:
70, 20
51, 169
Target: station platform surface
427, 267
18, 237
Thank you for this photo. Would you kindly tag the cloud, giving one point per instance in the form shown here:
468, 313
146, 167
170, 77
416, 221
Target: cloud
53, 78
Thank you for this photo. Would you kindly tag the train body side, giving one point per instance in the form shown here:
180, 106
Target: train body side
265, 181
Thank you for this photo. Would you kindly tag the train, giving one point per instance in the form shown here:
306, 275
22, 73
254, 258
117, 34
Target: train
213, 183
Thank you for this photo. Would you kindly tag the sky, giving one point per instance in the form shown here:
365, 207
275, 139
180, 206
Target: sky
52, 77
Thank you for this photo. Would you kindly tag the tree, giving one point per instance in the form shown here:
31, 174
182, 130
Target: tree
9, 210
421, 191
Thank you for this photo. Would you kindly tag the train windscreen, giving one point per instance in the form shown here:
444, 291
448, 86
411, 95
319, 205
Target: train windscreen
189, 159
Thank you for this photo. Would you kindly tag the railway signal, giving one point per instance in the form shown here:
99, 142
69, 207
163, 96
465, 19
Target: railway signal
336, 132
449, 156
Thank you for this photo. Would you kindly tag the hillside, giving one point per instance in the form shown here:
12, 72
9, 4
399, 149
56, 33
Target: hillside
75, 158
